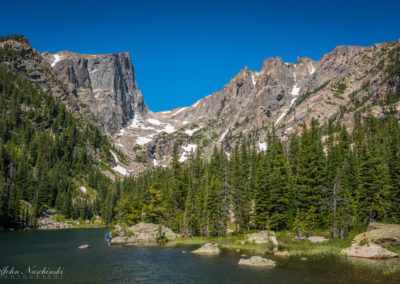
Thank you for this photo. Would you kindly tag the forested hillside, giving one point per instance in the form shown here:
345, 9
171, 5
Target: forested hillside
325, 179
46, 155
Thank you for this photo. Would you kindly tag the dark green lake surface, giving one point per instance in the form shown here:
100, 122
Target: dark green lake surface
163, 264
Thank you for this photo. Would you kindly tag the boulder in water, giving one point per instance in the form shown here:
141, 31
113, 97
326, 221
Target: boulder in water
209, 249
264, 237
143, 233
369, 250
257, 261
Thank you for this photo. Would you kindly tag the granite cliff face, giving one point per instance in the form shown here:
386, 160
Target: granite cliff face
104, 83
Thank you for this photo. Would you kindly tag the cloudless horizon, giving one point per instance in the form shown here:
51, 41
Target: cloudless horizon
185, 50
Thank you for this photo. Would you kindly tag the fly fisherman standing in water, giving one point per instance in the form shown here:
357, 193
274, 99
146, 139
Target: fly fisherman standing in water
108, 238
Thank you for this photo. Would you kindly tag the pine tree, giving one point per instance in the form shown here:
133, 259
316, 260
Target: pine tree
374, 192
311, 173
215, 216
279, 203
155, 210
262, 191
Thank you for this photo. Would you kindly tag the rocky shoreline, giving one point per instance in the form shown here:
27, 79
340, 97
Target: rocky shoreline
49, 221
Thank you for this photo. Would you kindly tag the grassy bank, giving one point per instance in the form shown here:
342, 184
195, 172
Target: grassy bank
307, 248
285, 240
228, 242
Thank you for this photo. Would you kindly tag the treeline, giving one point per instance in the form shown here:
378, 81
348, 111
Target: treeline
45, 154
14, 37
320, 179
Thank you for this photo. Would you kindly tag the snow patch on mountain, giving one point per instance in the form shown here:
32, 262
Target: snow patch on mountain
196, 103
253, 80
262, 146
190, 147
143, 140
223, 136
183, 157
155, 163
281, 116
295, 91
114, 156
121, 170
180, 110
169, 128
154, 121
138, 124
57, 58
191, 131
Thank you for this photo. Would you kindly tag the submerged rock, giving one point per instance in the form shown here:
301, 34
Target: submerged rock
282, 254
264, 237
257, 261
83, 246
209, 248
143, 233
370, 250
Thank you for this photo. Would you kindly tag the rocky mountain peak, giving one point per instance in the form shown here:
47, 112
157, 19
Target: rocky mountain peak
282, 95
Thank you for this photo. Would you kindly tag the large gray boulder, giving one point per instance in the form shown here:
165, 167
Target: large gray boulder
257, 261
370, 250
264, 237
380, 233
209, 249
317, 239
143, 233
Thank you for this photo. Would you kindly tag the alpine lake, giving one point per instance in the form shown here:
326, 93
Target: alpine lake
54, 257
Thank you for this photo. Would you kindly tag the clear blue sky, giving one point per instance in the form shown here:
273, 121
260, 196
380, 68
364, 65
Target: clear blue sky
185, 50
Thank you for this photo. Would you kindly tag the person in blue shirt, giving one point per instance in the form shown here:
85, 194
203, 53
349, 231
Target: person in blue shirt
108, 237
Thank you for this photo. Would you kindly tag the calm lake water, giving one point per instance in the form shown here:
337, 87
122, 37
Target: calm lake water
162, 264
